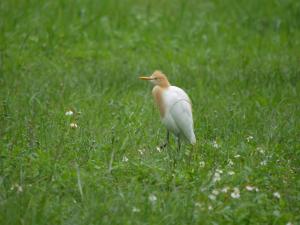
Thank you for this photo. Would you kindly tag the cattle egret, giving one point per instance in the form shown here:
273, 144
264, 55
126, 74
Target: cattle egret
174, 106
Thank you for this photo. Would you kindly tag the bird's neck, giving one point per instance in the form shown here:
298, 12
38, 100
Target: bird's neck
164, 84
157, 93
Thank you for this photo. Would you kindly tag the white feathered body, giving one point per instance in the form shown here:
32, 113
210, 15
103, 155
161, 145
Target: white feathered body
176, 111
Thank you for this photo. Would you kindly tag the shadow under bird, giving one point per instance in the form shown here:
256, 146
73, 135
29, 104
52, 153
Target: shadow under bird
174, 106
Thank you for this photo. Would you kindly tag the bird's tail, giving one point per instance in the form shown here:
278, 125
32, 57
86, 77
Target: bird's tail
193, 139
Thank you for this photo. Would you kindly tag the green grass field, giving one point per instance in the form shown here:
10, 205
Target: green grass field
239, 61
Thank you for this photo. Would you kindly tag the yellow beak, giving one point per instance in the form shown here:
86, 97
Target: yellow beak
146, 78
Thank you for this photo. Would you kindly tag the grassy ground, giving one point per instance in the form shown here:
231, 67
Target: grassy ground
238, 60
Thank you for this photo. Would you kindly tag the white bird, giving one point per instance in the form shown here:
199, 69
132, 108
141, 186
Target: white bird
174, 106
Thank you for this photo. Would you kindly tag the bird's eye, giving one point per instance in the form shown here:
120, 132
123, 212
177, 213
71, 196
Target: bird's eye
155, 78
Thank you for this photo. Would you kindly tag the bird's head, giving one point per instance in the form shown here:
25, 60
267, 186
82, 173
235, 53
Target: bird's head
157, 78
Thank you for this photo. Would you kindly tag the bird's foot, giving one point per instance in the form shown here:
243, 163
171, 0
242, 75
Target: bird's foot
163, 146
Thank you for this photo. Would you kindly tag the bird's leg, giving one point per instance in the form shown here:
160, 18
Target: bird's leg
191, 154
167, 140
178, 144
168, 137
176, 156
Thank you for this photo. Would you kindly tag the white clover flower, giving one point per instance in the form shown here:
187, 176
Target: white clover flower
250, 188
230, 162
141, 151
215, 144
260, 150
210, 208
202, 164
158, 149
125, 159
263, 163
219, 171
230, 173
73, 125
212, 197
276, 195
289, 223
18, 187
235, 193
225, 189
215, 192
136, 210
69, 113
216, 177
198, 204
249, 138
236, 189
152, 198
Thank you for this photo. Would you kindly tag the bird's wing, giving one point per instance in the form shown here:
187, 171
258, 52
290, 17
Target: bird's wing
182, 115
180, 108
180, 94
173, 95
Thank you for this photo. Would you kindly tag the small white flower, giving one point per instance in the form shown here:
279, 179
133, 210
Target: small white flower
256, 189
235, 193
215, 192
289, 223
230, 173
276, 195
158, 149
237, 156
225, 189
230, 162
136, 210
260, 150
210, 208
235, 189
250, 188
198, 204
18, 187
212, 197
125, 159
73, 125
152, 198
141, 151
202, 164
263, 163
215, 144
219, 171
216, 177
249, 138
69, 113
